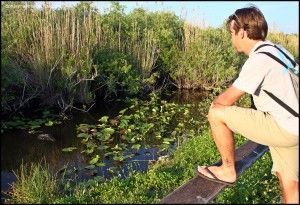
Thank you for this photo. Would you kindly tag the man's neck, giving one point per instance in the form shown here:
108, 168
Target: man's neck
249, 44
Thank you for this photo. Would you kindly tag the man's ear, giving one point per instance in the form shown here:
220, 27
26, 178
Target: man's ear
242, 33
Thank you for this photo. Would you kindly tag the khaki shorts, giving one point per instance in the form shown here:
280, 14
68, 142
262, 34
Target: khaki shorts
260, 127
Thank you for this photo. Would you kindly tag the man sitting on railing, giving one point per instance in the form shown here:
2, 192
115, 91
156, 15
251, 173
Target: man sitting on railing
267, 76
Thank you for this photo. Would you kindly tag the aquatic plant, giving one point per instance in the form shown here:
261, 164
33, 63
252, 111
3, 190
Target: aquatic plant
144, 124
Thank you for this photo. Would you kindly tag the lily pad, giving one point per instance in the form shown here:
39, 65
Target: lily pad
94, 160
69, 149
136, 146
103, 119
90, 167
108, 131
49, 123
100, 164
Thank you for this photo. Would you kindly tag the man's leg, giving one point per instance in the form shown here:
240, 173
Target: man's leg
290, 189
285, 167
223, 138
259, 127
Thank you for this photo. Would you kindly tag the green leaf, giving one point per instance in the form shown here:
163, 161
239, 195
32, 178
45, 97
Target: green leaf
108, 154
101, 126
102, 147
84, 135
94, 160
69, 149
100, 164
122, 111
133, 140
103, 119
49, 123
85, 140
108, 131
118, 158
117, 147
123, 123
89, 151
57, 122
90, 167
136, 146
35, 126
83, 128
169, 139
180, 125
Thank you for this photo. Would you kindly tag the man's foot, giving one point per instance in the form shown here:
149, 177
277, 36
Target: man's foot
218, 174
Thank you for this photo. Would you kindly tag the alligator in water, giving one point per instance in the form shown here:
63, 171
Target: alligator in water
46, 137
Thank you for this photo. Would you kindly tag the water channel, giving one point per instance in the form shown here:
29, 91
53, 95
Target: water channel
18, 146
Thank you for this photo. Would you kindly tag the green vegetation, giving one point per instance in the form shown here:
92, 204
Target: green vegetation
65, 58
35, 184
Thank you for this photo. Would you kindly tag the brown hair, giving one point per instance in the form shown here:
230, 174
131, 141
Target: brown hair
251, 20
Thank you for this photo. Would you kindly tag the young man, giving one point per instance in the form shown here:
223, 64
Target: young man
271, 124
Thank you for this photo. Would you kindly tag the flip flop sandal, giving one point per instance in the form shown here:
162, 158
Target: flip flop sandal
214, 179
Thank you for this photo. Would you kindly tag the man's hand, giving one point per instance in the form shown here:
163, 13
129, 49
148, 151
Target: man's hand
228, 97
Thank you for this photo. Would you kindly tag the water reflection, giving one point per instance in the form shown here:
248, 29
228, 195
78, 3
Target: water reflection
188, 96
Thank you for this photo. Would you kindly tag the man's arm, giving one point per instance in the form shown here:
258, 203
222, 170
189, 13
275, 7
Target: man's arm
228, 97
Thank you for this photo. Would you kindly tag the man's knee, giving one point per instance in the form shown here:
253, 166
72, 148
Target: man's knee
216, 113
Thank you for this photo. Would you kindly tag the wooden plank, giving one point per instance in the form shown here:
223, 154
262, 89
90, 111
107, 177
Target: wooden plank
201, 191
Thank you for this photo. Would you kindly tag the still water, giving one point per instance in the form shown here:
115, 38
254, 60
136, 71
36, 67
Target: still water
18, 146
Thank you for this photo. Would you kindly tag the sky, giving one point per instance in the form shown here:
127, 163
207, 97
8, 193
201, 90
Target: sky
281, 16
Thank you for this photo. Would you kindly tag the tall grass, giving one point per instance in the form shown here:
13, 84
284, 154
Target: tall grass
34, 184
54, 49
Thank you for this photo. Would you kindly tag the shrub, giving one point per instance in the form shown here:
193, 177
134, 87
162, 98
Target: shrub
118, 72
208, 60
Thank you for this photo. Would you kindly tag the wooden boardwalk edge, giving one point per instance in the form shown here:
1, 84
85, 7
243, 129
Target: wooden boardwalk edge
201, 191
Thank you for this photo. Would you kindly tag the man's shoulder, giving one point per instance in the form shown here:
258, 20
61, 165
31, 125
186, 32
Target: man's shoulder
266, 46
257, 61
270, 56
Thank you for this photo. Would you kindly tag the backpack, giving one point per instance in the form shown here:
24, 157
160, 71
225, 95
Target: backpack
293, 73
